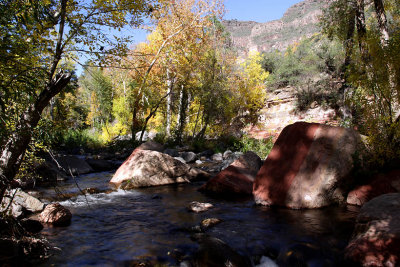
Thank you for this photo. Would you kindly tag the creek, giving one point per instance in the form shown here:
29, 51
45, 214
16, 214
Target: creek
153, 224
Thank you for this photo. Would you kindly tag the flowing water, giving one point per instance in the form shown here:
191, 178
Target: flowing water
154, 224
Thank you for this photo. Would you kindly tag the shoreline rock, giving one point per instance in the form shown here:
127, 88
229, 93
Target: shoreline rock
238, 178
376, 238
55, 214
308, 166
146, 167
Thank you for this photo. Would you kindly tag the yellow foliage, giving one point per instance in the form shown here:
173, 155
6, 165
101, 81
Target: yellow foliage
111, 131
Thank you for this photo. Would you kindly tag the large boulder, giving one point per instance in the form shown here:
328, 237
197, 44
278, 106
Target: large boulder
376, 238
22, 203
238, 178
101, 165
151, 145
73, 164
55, 214
307, 166
151, 168
49, 172
379, 185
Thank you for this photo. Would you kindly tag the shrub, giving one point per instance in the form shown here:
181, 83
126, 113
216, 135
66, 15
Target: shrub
261, 147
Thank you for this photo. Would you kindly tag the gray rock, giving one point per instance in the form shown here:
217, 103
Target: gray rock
188, 156
227, 154
151, 168
21, 202
230, 159
199, 207
217, 157
172, 152
198, 162
100, 165
49, 172
180, 159
72, 164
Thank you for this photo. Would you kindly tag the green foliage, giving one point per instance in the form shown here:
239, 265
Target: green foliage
73, 139
311, 59
310, 67
373, 74
261, 147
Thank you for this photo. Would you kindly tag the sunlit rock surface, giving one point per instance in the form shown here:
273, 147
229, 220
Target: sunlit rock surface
146, 167
307, 166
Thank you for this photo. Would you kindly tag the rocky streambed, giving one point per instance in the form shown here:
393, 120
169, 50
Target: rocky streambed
152, 226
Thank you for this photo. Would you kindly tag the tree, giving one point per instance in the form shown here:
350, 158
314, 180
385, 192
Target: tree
373, 72
37, 36
180, 30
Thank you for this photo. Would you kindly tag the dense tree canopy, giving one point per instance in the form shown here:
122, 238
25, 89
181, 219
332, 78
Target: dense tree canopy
38, 38
370, 32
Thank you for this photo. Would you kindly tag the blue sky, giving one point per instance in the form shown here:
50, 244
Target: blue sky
255, 10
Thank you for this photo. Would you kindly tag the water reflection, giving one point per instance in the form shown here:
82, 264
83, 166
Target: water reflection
150, 223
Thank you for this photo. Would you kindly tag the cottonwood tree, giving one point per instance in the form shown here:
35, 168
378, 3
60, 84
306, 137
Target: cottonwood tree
37, 36
372, 56
179, 30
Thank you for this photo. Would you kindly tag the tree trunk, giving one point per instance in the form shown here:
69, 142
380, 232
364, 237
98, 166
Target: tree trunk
152, 114
183, 102
170, 84
13, 151
349, 43
362, 31
384, 39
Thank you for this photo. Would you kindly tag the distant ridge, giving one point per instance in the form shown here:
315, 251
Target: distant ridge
300, 20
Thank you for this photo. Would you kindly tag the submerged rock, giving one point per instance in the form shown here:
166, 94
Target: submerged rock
210, 222
146, 168
55, 214
307, 167
215, 252
376, 238
238, 178
200, 207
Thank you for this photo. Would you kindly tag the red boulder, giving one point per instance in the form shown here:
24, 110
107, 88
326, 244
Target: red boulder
376, 238
307, 166
238, 178
379, 185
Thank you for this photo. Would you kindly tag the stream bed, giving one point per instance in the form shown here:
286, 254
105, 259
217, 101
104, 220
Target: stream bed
154, 225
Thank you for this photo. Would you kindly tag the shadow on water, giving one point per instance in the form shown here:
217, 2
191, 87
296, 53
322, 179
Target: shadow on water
151, 223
